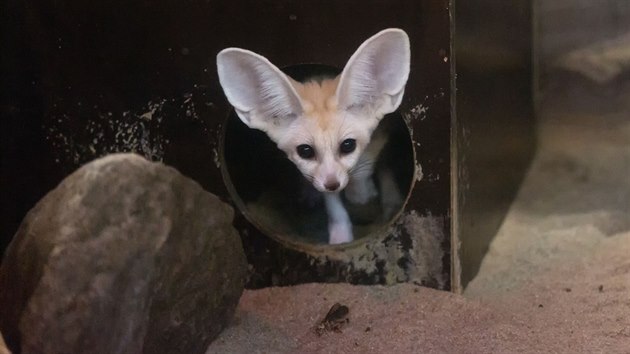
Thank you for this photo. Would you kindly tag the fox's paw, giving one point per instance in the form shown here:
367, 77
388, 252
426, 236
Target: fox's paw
361, 192
339, 232
391, 201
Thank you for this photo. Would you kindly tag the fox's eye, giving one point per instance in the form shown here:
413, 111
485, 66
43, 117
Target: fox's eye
347, 146
306, 151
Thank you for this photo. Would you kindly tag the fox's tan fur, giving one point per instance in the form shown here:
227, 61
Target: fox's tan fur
318, 99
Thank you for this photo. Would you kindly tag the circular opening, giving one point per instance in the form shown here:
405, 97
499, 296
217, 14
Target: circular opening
274, 196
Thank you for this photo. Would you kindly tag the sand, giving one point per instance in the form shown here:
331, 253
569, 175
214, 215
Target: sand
556, 278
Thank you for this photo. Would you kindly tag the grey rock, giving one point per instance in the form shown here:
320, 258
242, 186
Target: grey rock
124, 256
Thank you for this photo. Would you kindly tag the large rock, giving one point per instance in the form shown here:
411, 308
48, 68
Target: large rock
124, 256
3, 346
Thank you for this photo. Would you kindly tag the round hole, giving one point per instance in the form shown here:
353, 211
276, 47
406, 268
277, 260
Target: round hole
274, 196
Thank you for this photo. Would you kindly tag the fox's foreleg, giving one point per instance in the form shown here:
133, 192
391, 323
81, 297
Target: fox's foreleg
339, 224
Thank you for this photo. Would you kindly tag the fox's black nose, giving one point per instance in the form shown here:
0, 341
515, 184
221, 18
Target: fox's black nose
331, 185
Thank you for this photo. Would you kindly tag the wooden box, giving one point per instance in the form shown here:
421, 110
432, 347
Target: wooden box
84, 79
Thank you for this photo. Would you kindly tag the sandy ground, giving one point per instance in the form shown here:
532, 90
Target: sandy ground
556, 278
565, 244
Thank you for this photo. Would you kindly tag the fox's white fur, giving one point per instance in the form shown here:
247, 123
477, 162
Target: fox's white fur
323, 114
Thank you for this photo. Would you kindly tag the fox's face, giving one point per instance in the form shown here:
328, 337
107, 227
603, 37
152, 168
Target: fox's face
324, 142
323, 126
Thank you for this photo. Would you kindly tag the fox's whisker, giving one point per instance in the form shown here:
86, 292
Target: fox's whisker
362, 167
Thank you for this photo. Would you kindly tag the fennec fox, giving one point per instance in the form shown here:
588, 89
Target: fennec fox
325, 125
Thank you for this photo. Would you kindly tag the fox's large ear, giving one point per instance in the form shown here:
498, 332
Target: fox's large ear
373, 81
261, 94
